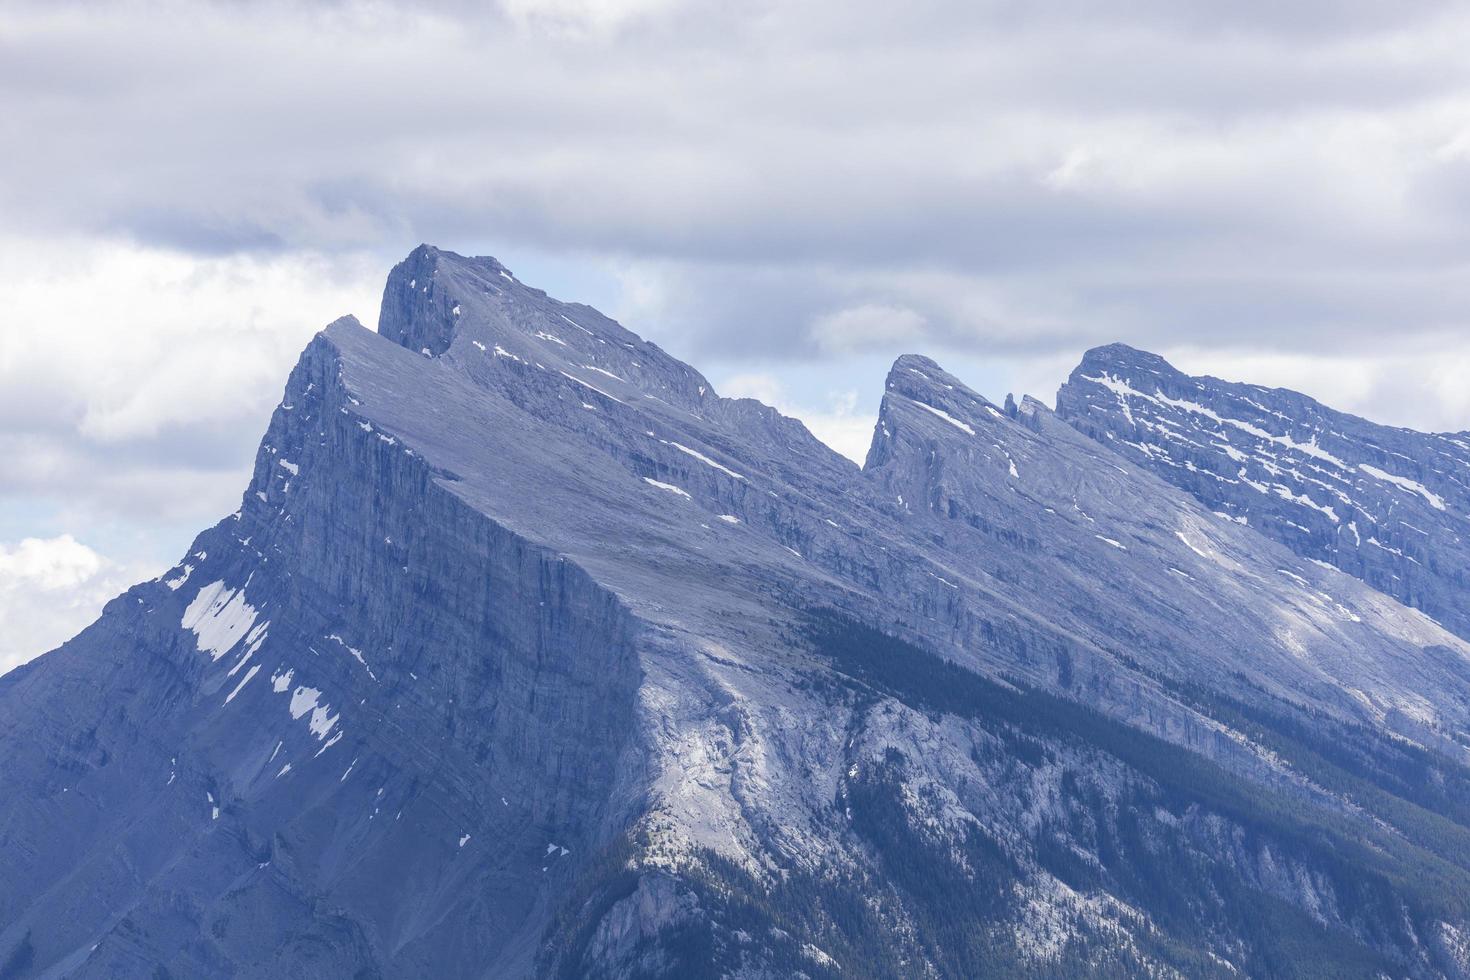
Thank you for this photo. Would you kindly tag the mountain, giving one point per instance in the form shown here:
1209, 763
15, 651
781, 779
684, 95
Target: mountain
1388, 506
527, 654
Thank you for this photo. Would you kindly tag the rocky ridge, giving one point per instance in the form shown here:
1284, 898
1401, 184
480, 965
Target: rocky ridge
528, 654
1385, 505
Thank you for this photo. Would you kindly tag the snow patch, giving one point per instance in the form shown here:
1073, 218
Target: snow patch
703, 458
243, 681
356, 654
1435, 500
1188, 544
667, 486
941, 413
306, 699
218, 617
577, 325
817, 955
592, 387
594, 367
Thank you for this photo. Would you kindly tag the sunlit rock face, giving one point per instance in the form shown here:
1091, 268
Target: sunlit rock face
527, 654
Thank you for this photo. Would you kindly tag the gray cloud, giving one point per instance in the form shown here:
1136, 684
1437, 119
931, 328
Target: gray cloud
1042, 175
1021, 177
782, 192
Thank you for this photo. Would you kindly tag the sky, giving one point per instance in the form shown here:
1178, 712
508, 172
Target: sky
787, 195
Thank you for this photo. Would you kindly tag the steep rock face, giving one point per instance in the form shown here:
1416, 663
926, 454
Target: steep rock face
527, 654
1387, 506
1140, 569
340, 736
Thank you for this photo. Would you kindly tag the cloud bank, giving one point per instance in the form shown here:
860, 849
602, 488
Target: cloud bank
1002, 178
49, 590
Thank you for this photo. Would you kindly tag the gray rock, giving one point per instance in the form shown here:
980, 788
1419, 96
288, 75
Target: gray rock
528, 654
1385, 505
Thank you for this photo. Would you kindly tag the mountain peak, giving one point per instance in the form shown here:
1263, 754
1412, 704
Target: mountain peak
920, 396
476, 313
1123, 359
421, 297
914, 362
921, 379
348, 322
1379, 503
528, 655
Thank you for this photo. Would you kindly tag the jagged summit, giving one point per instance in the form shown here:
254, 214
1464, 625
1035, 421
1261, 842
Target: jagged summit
1386, 505
1124, 356
917, 383
526, 654
1155, 373
417, 310
1084, 536
438, 303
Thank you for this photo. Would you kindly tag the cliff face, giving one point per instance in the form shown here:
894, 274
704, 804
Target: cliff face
528, 654
353, 707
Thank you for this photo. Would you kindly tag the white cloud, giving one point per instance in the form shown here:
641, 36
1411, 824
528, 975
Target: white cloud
134, 378
581, 16
762, 387
50, 588
868, 326
49, 565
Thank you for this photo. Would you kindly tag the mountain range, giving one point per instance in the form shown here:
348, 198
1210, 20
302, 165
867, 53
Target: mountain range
528, 654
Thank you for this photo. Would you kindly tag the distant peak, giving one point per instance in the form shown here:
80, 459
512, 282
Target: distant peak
1121, 356
428, 256
475, 313
348, 322
915, 380
910, 370
919, 361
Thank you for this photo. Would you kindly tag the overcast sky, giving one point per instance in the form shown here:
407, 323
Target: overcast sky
786, 194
